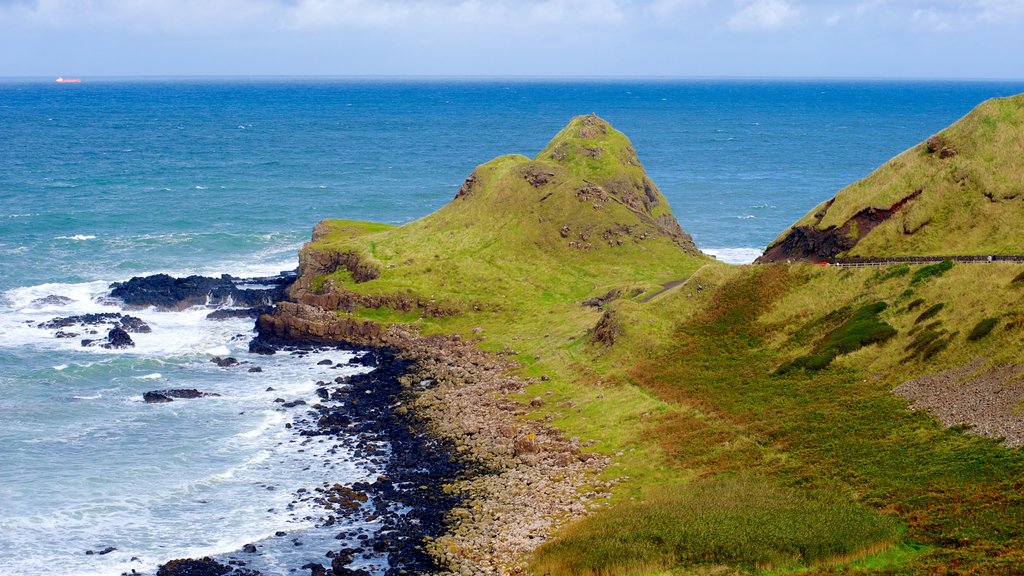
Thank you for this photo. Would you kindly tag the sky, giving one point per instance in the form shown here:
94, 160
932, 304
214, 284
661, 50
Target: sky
928, 39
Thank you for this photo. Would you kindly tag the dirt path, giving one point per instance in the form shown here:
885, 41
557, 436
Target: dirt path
670, 285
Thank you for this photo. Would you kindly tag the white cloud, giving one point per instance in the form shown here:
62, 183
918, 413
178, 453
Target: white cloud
763, 15
998, 11
669, 8
931, 20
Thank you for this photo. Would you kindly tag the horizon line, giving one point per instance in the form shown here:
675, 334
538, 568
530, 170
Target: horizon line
507, 78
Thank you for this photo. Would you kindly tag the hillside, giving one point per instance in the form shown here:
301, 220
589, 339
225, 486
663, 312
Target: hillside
521, 239
754, 420
958, 193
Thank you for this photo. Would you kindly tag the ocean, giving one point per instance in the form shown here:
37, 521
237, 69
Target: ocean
109, 179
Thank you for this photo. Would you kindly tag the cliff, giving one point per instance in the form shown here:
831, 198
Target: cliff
959, 192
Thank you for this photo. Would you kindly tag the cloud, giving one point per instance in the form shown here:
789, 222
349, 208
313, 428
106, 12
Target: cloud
931, 20
763, 15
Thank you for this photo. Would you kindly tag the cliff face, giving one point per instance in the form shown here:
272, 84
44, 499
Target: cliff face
958, 193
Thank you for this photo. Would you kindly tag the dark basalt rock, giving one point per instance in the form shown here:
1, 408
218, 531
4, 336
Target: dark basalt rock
315, 569
169, 293
160, 396
81, 320
224, 362
229, 313
51, 300
367, 359
192, 567
134, 325
118, 338
120, 322
156, 398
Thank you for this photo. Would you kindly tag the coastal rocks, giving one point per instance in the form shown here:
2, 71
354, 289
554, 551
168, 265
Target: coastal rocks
300, 323
117, 338
169, 293
125, 322
51, 300
224, 362
229, 313
194, 567
162, 396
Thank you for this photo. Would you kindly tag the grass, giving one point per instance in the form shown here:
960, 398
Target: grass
733, 521
969, 203
706, 436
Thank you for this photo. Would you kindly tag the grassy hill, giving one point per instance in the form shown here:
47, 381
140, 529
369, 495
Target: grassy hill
961, 192
749, 412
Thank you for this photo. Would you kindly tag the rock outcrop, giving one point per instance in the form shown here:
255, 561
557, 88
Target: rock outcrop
953, 194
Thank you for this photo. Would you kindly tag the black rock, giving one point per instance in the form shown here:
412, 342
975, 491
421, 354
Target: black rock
229, 313
169, 293
106, 550
83, 320
155, 396
191, 567
118, 338
135, 325
249, 548
294, 403
367, 359
63, 334
51, 300
314, 569
224, 362
255, 369
325, 362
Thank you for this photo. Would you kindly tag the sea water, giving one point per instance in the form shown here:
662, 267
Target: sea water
110, 179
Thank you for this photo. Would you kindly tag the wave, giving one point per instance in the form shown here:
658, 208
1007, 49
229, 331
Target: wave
153, 376
734, 255
78, 237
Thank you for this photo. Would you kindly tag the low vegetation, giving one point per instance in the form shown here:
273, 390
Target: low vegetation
748, 523
862, 329
723, 462
957, 192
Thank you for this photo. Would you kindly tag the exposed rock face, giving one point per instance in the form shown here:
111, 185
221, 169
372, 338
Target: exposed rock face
292, 322
812, 244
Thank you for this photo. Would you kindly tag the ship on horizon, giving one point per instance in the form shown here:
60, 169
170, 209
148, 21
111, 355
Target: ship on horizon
63, 80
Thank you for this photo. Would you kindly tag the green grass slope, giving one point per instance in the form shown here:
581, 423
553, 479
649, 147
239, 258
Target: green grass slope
522, 238
749, 412
959, 193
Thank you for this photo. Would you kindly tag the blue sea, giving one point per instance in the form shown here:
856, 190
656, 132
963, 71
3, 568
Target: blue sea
109, 179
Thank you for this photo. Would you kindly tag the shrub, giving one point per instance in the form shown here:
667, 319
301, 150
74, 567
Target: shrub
982, 329
931, 271
915, 304
862, 329
930, 312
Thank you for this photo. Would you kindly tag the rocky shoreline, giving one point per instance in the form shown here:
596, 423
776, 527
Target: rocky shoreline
467, 485
523, 477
